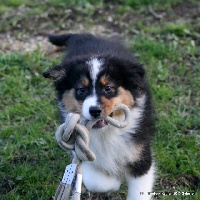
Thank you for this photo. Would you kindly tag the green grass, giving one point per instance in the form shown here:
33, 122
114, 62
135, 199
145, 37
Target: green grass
29, 156
8, 5
14, 3
31, 163
168, 3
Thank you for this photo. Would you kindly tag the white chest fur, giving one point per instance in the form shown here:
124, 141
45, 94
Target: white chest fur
111, 150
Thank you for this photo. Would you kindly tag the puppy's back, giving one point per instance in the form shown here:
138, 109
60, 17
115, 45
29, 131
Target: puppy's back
86, 44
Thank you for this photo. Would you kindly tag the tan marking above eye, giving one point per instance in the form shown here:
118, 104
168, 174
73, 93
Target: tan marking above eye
85, 82
124, 97
104, 80
70, 102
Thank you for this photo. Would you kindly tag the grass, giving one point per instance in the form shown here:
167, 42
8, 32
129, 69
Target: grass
8, 5
31, 163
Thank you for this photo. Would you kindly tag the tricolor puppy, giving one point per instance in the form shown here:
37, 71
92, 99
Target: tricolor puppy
95, 75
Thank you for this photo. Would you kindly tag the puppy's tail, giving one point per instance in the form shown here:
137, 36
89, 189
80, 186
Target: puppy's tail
60, 40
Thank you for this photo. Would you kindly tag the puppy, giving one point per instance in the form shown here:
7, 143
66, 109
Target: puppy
95, 75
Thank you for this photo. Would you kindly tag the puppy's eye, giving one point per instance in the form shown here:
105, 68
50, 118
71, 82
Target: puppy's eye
109, 90
81, 91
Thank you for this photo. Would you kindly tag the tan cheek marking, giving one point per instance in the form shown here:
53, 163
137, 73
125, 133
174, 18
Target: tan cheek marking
108, 105
124, 97
70, 103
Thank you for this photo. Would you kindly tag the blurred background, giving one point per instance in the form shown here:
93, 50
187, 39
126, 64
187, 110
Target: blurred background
163, 35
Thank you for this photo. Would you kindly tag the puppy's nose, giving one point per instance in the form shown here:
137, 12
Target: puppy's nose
95, 111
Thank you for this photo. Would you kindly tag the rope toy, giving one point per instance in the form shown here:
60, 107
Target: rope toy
74, 135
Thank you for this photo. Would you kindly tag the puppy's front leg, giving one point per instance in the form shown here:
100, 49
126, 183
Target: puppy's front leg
97, 181
140, 186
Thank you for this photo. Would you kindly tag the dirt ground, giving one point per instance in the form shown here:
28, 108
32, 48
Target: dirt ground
20, 31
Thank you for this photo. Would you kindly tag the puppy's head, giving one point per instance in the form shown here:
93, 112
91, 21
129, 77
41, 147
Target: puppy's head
92, 86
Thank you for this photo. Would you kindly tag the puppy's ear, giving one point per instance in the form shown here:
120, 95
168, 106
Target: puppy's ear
56, 73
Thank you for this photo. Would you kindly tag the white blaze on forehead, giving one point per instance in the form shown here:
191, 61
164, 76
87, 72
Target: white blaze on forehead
95, 68
95, 65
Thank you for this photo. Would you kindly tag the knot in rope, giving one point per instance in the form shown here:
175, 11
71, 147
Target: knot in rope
73, 136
